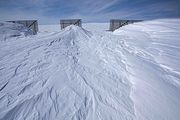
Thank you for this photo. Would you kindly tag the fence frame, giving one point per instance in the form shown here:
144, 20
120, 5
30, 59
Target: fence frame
117, 23
66, 22
30, 24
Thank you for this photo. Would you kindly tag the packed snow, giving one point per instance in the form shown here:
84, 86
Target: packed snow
90, 73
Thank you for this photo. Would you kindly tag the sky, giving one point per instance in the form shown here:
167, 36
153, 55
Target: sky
51, 11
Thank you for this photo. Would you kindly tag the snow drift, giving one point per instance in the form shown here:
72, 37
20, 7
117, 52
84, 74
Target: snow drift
131, 74
152, 51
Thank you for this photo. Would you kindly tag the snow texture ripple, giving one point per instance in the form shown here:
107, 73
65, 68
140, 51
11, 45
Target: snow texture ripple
76, 74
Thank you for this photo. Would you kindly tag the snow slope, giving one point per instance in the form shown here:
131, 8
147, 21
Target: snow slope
152, 54
131, 74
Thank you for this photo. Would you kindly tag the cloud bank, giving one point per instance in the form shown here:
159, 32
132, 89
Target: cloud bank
51, 11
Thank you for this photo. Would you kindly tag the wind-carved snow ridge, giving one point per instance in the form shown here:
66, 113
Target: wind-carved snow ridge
152, 53
66, 76
76, 74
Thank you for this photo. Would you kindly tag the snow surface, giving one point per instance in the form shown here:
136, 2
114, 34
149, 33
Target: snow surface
78, 74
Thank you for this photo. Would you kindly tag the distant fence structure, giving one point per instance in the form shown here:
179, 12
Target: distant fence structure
117, 23
30, 24
67, 22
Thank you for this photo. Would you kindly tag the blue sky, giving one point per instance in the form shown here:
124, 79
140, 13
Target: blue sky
51, 11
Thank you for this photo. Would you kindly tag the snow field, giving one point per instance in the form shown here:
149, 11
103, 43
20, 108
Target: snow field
78, 74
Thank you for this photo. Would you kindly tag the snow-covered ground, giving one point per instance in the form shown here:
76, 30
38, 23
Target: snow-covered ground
91, 74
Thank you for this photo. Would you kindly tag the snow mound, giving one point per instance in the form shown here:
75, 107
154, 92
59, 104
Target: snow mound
65, 76
9, 30
75, 74
152, 53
